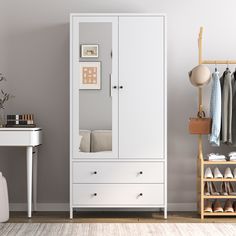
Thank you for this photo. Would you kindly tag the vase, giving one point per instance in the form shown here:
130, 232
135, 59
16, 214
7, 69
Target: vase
2, 118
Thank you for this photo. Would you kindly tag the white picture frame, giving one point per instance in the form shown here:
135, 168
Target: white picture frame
89, 51
90, 75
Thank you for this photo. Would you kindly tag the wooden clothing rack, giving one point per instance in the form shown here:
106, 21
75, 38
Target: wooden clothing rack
209, 62
201, 163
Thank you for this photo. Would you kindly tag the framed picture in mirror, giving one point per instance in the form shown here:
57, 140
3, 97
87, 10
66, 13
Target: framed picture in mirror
90, 75
89, 50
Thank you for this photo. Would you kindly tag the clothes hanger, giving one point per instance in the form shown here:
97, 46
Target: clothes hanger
234, 74
227, 69
216, 69
227, 66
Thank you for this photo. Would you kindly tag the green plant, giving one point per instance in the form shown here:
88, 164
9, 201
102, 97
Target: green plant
4, 97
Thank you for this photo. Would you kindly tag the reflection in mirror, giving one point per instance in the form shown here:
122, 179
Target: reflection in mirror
95, 102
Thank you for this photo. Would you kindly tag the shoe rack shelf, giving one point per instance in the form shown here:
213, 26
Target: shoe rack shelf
219, 197
219, 162
200, 187
220, 214
219, 180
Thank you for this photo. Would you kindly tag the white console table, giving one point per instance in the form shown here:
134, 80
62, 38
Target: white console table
29, 138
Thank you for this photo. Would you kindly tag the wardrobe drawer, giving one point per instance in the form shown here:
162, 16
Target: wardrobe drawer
118, 172
118, 194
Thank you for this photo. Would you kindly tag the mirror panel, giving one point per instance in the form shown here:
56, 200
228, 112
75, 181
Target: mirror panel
95, 101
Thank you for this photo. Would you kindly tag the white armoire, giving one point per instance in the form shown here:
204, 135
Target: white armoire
118, 115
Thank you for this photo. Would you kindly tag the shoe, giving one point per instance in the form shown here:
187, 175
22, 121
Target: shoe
234, 206
216, 157
230, 188
207, 189
208, 173
208, 206
217, 173
228, 206
234, 173
228, 174
223, 189
231, 154
213, 190
232, 158
217, 206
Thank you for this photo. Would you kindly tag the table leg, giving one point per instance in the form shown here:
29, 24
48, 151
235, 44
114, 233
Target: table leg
29, 157
35, 173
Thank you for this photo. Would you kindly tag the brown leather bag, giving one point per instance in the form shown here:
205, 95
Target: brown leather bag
200, 124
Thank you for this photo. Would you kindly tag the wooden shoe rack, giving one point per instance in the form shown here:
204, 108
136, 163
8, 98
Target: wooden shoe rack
201, 163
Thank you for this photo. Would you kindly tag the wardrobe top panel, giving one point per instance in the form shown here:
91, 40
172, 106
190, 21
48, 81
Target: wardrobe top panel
118, 14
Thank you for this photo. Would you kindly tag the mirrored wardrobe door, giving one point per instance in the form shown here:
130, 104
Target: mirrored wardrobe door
97, 76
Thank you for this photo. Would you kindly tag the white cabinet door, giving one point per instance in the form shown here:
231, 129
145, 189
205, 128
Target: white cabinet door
141, 87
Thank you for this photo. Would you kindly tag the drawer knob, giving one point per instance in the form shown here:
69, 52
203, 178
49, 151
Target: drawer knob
95, 172
141, 194
140, 172
95, 194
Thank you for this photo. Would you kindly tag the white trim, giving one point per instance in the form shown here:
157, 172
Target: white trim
192, 206
65, 207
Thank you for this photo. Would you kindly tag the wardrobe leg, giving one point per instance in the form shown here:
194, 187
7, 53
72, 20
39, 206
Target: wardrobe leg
165, 213
71, 213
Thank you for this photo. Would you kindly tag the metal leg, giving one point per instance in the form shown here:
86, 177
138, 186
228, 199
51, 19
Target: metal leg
165, 213
35, 174
29, 157
71, 213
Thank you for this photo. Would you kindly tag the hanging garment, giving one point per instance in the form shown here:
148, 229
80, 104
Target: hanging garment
215, 109
234, 108
226, 107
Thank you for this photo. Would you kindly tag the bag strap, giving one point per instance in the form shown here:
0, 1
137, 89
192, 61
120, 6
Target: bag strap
201, 114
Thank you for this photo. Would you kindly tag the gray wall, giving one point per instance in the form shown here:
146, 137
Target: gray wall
96, 105
34, 55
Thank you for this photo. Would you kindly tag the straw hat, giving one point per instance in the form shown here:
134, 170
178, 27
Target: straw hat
200, 76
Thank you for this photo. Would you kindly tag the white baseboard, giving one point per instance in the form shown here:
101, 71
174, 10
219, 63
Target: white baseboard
65, 207
41, 207
182, 206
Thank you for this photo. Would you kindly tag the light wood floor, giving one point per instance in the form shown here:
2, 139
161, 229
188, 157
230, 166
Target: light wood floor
115, 217
117, 229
